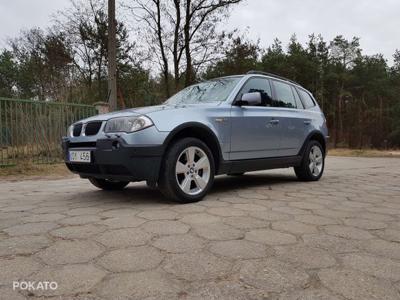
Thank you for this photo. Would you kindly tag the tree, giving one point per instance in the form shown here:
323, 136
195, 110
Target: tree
182, 29
8, 71
240, 57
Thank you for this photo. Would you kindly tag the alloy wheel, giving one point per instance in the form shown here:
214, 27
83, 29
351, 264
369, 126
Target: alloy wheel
316, 160
192, 170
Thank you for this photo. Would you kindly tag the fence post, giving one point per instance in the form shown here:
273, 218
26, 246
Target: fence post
102, 107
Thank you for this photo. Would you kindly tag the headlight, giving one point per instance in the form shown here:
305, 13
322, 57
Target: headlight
128, 124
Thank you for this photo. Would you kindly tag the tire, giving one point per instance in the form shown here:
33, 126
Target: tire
236, 174
187, 180
108, 185
313, 163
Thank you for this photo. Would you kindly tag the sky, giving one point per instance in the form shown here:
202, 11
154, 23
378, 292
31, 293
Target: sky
377, 23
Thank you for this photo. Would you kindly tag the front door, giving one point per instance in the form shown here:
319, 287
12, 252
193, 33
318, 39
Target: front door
256, 130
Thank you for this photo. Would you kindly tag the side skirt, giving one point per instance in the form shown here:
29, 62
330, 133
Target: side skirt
248, 165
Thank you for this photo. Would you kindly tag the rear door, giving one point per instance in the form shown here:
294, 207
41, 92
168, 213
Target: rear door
292, 118
255, 131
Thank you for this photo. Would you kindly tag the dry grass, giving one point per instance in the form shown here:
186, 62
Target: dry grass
34, 171
363, 152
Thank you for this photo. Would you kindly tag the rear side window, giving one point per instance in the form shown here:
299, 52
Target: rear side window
284, 95
306, 99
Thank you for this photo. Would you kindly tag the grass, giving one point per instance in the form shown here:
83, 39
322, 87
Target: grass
34, 171
363, 152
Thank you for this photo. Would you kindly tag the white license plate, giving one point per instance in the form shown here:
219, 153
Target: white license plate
79, 156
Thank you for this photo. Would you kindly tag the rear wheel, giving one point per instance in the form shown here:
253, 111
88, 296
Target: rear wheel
109, 185
313, 163
188, 171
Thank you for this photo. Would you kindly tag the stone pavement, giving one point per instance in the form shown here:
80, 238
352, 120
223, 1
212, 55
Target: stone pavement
261, 236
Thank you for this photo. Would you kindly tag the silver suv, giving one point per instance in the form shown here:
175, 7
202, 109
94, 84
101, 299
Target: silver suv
229, 125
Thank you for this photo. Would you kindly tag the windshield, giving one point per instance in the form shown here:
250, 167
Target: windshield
216, 90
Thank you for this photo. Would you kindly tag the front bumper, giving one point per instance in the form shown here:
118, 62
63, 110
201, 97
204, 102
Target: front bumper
113, 158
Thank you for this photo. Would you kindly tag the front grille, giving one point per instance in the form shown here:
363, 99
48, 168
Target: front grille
92, 128
77, 129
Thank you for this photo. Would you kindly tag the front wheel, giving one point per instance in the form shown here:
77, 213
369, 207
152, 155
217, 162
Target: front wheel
313, 163
188, 171
108, 185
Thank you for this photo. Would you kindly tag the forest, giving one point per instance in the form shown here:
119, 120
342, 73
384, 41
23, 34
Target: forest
166, 45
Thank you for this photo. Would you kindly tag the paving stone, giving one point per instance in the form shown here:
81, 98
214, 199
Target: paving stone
23, 245
71, 279
372, 265
166, 227
124, 222
120, 212
305, 257
84, 211
7, 293
310, 294
120, 238
355, 285
390, 235
348, 232
293, 227
232, 290
270, 237
226, 211
315, 220
42, 218
131, 259
364, 223
306, 205
272, 275
78, 232
69, 252
270, 215
80, 220
179, 243
249, 207
331, 243
196, 266
240, 249
16, 269
218, 231
158, 215
140, 285
201, 218
30, 228
245, 222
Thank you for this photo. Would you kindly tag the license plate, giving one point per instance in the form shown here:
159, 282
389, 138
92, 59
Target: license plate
79, 156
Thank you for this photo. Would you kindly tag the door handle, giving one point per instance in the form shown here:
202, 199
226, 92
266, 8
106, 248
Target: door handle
274, 122
307, 122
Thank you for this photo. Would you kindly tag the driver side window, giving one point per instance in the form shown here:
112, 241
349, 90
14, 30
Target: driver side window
260, 85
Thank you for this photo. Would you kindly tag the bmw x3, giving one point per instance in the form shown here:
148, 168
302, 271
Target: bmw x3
229, 125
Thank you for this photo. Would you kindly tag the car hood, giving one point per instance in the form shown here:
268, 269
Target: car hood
147, 110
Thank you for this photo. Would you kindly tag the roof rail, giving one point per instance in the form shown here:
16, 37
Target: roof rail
272, 75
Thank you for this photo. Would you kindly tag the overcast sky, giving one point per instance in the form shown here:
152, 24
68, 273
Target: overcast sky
377, 23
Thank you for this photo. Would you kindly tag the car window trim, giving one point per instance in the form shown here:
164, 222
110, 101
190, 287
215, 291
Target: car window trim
274, 93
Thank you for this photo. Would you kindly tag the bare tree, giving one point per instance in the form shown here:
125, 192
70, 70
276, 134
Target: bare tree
183, 32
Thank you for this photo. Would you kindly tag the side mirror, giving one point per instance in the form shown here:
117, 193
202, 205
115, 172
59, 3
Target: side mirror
251, 99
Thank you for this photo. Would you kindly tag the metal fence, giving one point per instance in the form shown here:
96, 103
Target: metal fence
31, 131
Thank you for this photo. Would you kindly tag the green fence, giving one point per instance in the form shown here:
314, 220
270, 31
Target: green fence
31, 131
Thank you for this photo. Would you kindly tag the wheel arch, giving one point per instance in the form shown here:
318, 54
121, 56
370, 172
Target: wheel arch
200, 131
314, 136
